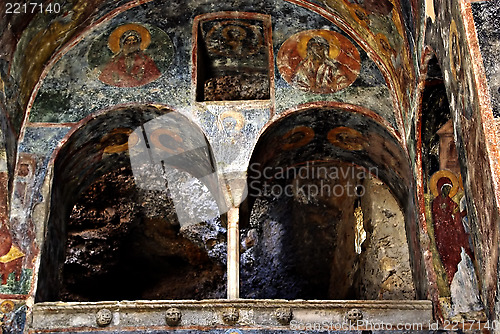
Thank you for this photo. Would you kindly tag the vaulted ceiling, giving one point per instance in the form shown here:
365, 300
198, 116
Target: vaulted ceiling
32, 42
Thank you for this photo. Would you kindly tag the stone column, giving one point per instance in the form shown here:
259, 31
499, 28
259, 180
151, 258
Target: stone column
233, 254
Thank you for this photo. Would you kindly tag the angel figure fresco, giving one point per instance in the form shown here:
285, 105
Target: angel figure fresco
319, 61
130, 66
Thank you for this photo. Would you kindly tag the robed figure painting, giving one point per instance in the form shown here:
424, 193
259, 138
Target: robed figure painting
319, 61
137, 58
449, 230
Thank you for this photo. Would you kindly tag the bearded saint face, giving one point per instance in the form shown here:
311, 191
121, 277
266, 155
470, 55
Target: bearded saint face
131, 43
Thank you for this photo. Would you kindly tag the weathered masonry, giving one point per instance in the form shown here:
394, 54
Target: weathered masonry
257, 167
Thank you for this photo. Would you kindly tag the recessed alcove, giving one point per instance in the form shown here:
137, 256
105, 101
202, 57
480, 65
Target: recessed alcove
305, 248
232, 57
114, 231
311, 174
291, 237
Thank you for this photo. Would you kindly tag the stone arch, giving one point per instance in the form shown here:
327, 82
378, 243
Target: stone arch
343, 139
110, 195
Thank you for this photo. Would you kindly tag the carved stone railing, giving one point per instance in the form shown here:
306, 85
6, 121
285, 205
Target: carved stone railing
210, 314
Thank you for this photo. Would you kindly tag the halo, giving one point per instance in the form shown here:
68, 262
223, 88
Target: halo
354, 142
225, 32
155, 139
444, 173
238, 117
329, 35
305, 130
131, 142
252, 44
116, 35
7, 306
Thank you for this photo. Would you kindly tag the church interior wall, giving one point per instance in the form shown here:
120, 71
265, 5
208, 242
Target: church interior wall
244, 77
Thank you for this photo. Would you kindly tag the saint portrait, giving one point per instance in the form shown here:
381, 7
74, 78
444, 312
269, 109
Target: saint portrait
319, 61
449, 231
138, 55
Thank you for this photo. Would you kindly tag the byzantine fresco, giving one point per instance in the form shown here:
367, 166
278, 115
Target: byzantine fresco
73, 90
319, 61
13, 315
366, 76
62, 100
134, 55
448, 222
15, 254
236, 64
458, 57
350, 136
317, 139
11, 264
93, 74
380, 25
146, 59
449, 230
485, 18
454, 258
35, 47
18, 237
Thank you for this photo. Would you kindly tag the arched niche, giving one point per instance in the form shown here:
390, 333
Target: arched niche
450, 218
310, 171
114, 228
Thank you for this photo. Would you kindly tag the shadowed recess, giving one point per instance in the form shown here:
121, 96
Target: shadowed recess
311, 174
111, 238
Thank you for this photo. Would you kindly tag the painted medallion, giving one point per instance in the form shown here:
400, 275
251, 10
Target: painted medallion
319, 61
131, 55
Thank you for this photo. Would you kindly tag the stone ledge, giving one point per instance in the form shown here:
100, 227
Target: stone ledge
128, 315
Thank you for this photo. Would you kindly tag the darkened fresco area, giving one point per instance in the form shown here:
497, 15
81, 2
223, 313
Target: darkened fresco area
486, 19
267, 166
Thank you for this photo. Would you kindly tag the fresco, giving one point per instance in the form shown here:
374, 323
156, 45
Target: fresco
81, 81
449, 231
453, 258
486, 15
318, 139
297, 137
10, 256
134, 57
380, 25
15, 269
455, 52
36, 46
449, 224
347, 138
455, 24
320, 132
234, 52
13, 316
100, 69
319, 61
234, 38
60, 100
